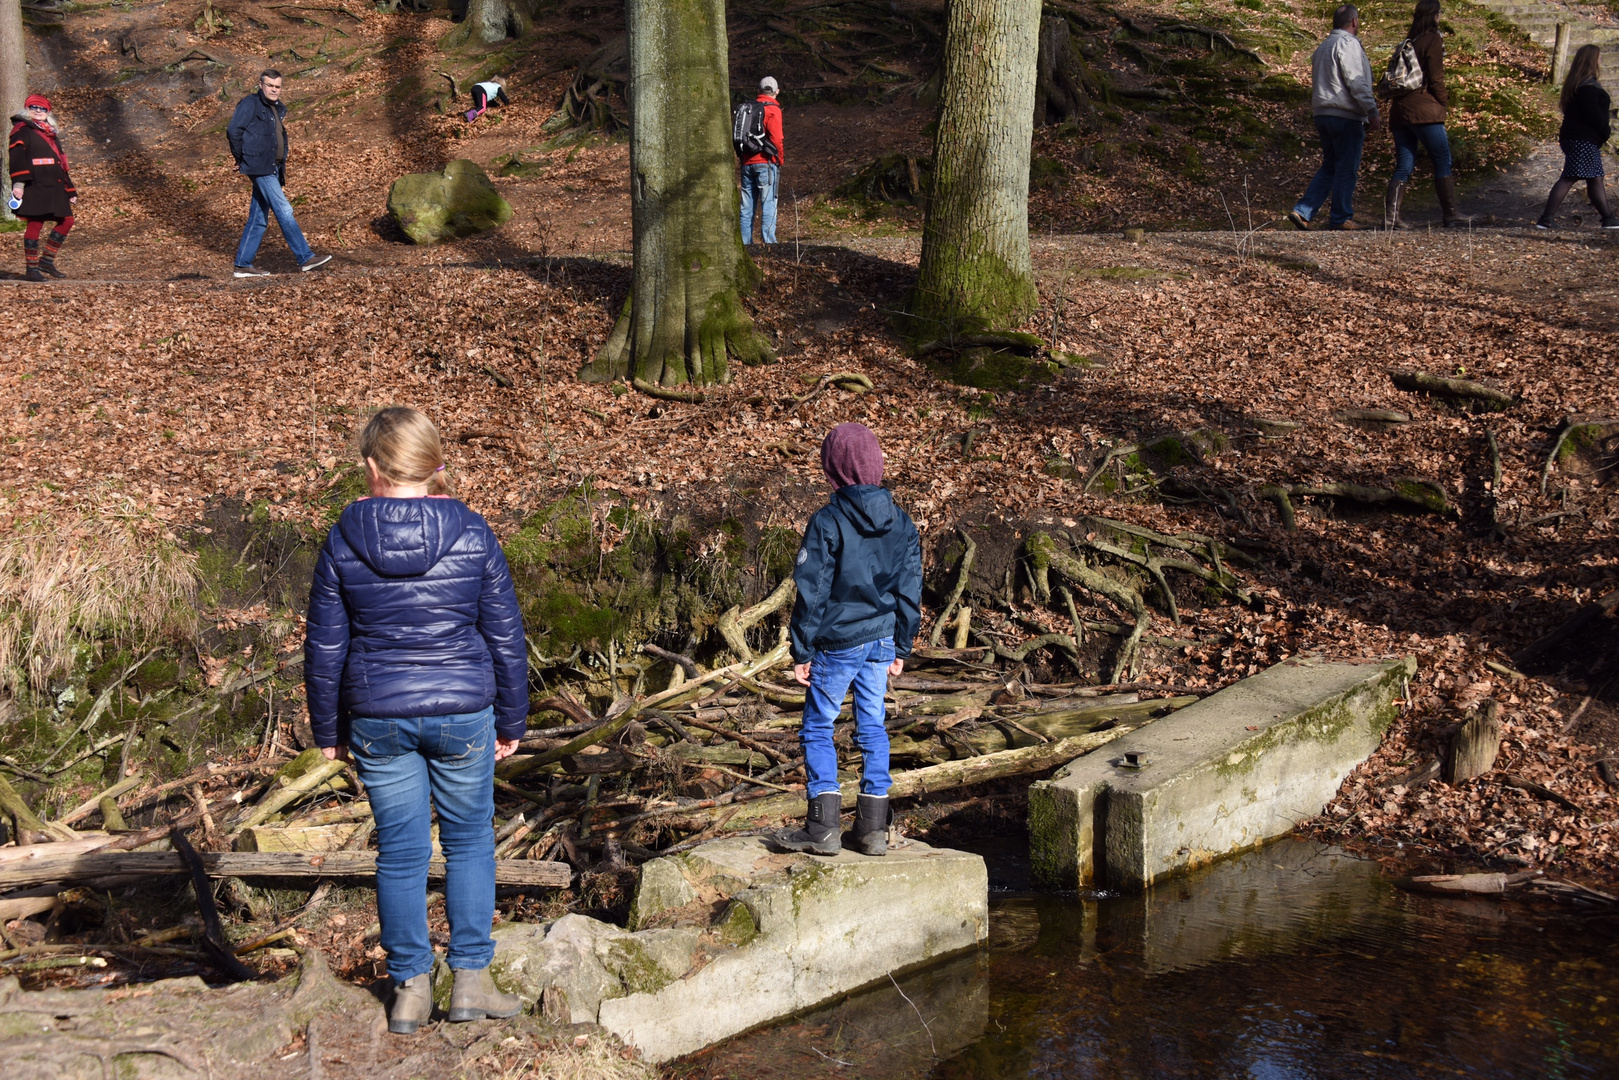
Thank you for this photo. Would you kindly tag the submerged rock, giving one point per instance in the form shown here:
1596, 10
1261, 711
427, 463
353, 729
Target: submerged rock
460, 201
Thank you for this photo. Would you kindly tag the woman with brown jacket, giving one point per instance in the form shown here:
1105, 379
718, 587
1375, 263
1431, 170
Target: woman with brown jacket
1417, 119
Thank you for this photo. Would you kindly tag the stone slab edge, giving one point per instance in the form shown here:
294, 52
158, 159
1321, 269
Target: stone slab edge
1239, 768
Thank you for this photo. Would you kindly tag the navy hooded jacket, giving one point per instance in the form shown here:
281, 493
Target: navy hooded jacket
257, 134
412, 613
859, 575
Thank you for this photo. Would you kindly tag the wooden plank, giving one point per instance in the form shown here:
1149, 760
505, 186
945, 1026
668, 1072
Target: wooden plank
314, 840
96, 864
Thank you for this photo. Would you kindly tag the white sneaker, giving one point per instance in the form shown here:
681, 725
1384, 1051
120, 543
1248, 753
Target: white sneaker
314, 262
249, 271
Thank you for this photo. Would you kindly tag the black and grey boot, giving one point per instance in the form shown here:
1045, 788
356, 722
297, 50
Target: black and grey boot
820, 834
872, 816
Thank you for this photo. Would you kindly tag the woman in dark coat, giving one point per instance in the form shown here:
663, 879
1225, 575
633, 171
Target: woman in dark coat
1417, 119
1585, 129
41, 189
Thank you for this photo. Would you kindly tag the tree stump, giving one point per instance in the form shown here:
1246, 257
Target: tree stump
1477, 742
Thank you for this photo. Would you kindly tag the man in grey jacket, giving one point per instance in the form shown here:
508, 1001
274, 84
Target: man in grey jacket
1341, 99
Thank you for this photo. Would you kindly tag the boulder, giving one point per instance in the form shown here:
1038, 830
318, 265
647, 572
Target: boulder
460, 201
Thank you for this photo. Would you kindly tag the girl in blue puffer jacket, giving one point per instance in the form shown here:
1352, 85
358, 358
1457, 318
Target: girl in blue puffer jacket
415, 664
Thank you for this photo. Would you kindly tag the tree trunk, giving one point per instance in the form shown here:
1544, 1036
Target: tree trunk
976, 272
684, 312
490, 21
1060, 93
13, 76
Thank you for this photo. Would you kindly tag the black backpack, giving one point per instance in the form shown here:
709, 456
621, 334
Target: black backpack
748, 135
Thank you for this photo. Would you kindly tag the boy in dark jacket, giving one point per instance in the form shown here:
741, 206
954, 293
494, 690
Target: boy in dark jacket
859, 578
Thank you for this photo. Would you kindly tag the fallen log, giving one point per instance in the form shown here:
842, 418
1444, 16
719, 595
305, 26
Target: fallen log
249, 864
734, 622
1467, 884
942, 777
1423, 383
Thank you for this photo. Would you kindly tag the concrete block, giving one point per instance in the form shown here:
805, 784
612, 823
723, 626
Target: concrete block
1239, 768
823, 927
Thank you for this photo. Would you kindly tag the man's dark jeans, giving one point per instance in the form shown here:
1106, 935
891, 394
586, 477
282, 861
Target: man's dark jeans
1341, 144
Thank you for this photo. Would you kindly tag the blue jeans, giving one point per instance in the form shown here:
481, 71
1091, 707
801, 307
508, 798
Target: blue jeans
759, 184
1341, 143
404, 762
831, 673
268, 198
1430, 136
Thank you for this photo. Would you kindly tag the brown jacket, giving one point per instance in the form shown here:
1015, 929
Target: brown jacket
1427, 105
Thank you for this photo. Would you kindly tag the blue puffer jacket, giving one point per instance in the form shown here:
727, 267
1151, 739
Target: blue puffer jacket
412, 613
859, 575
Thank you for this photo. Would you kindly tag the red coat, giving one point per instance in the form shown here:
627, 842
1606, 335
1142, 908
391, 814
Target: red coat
37, 163
773, 130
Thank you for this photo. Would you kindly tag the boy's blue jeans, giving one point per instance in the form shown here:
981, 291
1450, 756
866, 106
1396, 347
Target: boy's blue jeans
831, 673
450, 759
1342, 141
759, 185
268, 198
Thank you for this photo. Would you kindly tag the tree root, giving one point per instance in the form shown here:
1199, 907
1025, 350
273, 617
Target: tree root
511, 442
690, 397
962, 574
1466, 389
852, 381
1574, 427
1045, 555
1408, 492
734, 622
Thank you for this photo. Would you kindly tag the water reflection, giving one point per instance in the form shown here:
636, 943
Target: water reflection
1283, 964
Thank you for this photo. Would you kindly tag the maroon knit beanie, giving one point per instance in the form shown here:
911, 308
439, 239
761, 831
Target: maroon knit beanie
850, 455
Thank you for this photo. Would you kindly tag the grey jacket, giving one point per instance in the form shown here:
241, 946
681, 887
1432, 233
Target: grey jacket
1341, 81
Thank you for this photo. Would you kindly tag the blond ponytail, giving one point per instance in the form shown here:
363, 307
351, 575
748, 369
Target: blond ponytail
405, 446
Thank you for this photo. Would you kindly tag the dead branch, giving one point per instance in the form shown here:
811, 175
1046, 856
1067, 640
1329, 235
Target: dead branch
685, 663
1574, 626
1466, 389
213, 934
512, 442
1539, 791
963, 572
103, 863
27, 825
732, 624
1573, 427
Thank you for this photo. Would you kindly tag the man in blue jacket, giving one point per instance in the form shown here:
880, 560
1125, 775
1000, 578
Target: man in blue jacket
859, 578
258, 141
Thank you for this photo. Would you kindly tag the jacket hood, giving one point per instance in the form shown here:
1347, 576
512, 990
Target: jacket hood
870, 509
403, 537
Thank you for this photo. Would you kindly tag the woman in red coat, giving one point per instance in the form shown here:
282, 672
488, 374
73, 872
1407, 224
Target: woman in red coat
41, 189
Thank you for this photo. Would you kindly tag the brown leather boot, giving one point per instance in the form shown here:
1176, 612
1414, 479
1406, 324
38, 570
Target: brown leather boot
1391, 206
474, 997
412, 1005
1446, 187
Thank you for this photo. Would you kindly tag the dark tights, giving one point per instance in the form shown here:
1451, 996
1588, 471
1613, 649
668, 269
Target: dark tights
1593, 191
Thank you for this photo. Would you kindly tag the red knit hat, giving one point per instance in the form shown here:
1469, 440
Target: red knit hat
37, 99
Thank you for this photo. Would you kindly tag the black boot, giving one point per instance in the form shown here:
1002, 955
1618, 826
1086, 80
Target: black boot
1391, 206
871, 819
1446, 187
821, 827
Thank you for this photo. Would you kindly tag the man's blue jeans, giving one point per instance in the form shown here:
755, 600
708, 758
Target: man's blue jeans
1341, 143
831, 673
1430, 136
452, 760
268, 198
759, 185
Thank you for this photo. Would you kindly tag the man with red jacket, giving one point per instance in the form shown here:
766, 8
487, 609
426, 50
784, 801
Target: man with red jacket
761, 172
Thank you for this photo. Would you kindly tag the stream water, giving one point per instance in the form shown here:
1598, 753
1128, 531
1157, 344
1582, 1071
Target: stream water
1286, 963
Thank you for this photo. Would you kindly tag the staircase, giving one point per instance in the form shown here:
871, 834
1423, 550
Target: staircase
1538, 19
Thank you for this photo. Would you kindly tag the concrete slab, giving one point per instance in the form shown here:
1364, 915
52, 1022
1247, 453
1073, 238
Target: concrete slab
731, 936
1238, 768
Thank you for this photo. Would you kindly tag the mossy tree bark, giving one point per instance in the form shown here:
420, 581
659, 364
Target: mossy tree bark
489, 21
684, 316
13, 75
976, 271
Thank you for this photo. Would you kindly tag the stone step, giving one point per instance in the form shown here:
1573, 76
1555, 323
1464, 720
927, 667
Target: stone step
1237, 769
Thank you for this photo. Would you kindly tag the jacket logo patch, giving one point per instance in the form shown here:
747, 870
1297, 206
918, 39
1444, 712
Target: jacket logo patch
803, 556
44, 161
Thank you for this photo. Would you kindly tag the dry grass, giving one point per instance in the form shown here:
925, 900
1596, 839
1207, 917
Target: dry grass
596, 1057
100, 572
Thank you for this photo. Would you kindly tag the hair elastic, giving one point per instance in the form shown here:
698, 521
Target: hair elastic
439, 469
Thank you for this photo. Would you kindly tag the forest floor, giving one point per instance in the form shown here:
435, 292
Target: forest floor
155, 387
